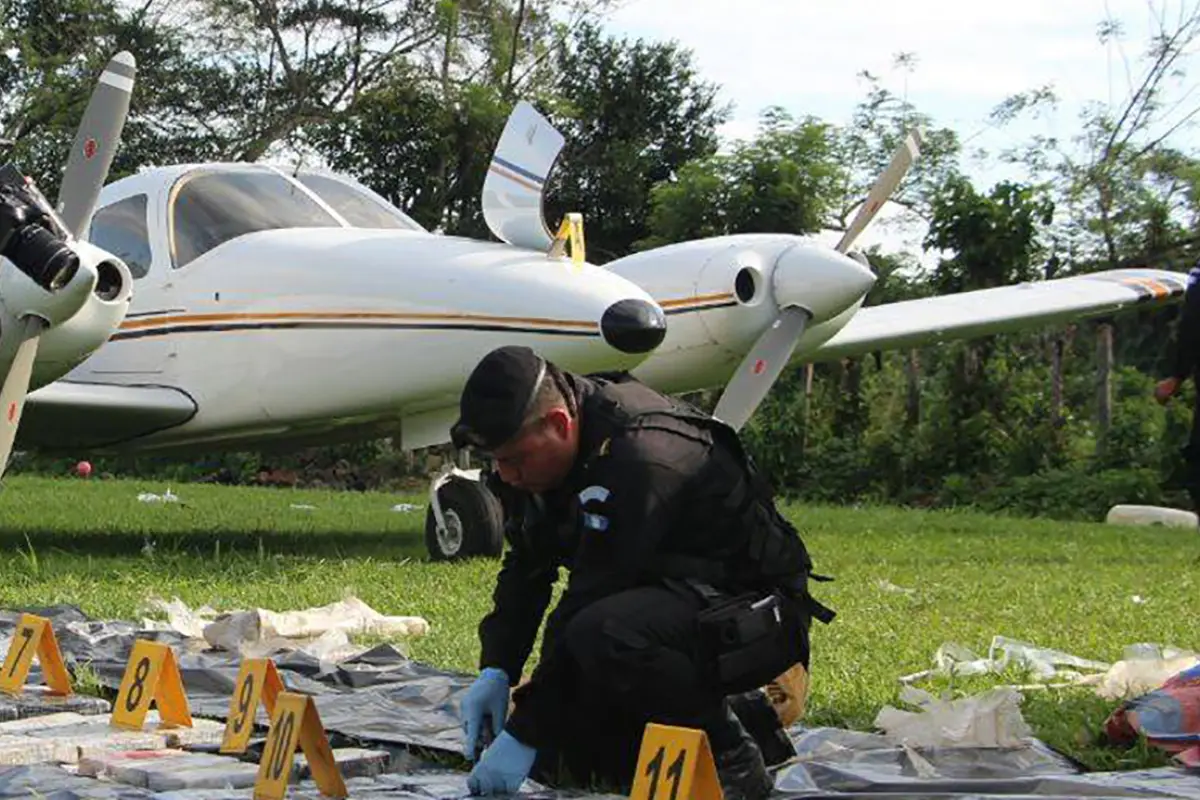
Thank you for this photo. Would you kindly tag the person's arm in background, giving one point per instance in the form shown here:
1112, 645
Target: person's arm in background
1187, 341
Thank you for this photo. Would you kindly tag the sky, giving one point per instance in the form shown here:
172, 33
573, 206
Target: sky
806, 57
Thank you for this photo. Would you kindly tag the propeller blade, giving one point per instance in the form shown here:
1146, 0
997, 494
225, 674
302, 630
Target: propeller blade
761, 366
96, 143
886, 184
87, 168
16, 387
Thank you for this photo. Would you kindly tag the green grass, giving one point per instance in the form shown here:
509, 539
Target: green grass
1066, 586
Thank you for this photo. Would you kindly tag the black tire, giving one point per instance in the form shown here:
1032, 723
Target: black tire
474, 522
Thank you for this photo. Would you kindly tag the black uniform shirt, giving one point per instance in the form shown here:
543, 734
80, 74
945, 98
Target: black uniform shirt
1187, 339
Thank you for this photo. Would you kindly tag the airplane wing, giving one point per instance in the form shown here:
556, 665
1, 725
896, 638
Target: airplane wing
81, 416
1004, 309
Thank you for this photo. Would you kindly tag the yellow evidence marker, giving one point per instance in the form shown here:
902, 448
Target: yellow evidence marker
34, 635
295, 721
569, 230
675, 764
151, 674
257, 679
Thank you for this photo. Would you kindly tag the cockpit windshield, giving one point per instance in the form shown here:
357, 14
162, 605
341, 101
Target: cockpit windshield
360, 207
211, 208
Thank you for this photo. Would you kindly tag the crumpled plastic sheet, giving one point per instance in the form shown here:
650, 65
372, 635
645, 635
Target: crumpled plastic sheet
1043, 663
836, 763
830, 763
379, 695
385, 698
989, 719
1143, 668
54, 782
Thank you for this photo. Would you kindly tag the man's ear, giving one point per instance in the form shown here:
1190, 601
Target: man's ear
560, 422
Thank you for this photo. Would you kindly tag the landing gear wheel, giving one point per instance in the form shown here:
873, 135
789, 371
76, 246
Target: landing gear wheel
474, 522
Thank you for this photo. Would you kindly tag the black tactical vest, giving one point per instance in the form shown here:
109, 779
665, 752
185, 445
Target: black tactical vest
760, 549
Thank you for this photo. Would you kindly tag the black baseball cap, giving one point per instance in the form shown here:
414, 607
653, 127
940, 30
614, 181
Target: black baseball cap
497, 396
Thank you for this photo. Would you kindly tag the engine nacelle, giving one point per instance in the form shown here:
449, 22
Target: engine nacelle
717, 294
81, 315
721, 294
22, 297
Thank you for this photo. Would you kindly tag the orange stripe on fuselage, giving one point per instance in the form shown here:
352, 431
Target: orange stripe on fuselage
697, 300
209, 319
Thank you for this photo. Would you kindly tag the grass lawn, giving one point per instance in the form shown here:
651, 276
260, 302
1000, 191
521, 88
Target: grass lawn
1066, 586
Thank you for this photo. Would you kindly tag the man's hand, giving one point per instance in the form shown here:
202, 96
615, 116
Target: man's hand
1166, 389
488, 696
503, 767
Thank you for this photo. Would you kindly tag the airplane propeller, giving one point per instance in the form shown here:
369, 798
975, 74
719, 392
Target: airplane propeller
765, 361
87, 168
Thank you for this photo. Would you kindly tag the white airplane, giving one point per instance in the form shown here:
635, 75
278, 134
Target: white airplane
234, 306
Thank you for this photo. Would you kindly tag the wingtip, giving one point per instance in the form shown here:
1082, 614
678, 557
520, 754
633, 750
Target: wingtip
126, 59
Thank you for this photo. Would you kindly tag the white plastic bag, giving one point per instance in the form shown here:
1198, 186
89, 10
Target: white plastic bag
150, 497
990, 719
1144, 668
1043, 663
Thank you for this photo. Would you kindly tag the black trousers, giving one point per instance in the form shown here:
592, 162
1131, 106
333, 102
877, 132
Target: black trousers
1191, 451
633, 660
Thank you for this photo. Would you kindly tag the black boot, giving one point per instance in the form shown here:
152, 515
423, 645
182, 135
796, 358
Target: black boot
756, 713
740, 766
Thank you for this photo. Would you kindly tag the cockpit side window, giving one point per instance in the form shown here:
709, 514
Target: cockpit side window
211, 208
358, 207
120, 228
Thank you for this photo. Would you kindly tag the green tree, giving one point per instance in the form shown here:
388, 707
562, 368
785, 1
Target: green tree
633, 114
994, 241
426, 144
879, 124
1125, 188
305, 62
512, 46
1128, 195
57, 50
783, 181
427, 157
994, 238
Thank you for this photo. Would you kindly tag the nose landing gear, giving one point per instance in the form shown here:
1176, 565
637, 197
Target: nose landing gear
464, 519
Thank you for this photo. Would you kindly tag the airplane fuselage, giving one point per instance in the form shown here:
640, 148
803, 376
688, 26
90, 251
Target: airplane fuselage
277, 310
332, 333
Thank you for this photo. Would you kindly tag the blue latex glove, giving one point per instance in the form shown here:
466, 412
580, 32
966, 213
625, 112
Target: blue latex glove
503, 767
488, 696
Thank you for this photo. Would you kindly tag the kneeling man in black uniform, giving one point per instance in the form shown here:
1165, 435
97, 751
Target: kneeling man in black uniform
686, 585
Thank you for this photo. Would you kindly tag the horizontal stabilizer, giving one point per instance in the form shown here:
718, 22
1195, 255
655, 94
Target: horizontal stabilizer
1005, 309
84, 416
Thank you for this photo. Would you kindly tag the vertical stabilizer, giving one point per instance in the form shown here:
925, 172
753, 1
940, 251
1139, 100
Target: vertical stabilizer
516, 179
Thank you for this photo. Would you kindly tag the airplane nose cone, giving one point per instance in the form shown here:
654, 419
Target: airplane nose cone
822, 281
633, 325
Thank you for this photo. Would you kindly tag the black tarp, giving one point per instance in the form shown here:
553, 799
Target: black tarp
381, 697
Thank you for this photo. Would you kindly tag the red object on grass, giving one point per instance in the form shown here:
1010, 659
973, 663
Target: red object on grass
1169, 718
